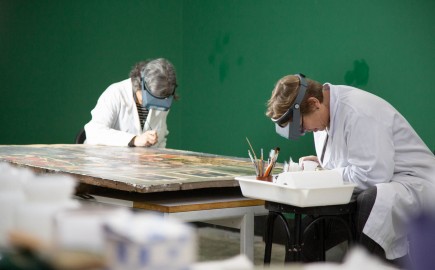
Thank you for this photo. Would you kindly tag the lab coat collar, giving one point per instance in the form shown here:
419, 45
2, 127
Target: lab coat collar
333, 105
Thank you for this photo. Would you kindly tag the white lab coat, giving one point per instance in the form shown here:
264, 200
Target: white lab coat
371, 143
115, 120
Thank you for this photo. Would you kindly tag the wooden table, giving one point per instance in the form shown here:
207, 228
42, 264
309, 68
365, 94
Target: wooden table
137, 169
147, 178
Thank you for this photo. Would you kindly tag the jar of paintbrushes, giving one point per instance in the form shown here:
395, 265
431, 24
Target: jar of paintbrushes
263, 168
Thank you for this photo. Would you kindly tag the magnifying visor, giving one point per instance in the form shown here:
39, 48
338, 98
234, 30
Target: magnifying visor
151, 101
292, 130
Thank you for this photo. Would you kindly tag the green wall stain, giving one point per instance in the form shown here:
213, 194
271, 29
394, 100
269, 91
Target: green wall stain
219, 56
359, 75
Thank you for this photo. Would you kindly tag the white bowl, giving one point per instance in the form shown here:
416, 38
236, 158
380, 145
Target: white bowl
309, 165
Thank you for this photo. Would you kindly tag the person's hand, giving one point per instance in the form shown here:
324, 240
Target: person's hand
311, 158
146, 139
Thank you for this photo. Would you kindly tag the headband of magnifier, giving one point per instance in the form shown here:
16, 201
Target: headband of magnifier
151, 101
292, 130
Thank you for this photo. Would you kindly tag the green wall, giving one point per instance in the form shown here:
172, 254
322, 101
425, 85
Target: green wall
56, 57
235, 51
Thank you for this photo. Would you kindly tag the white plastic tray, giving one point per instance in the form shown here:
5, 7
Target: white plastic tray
302, 197
310, 179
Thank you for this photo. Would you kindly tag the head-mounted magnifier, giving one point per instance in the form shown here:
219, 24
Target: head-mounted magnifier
292, 130
150, 101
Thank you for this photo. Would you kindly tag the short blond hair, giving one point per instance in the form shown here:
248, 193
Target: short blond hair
285, 92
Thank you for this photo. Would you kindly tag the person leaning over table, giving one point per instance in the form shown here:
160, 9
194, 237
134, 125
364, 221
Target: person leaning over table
370, 144
133, 112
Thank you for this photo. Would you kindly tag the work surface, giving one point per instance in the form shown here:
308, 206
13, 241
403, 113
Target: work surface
136, 169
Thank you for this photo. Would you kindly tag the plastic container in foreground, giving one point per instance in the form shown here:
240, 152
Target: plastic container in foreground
302, 197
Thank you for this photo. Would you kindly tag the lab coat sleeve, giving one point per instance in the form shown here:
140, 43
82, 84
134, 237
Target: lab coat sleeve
370, 146
100, 130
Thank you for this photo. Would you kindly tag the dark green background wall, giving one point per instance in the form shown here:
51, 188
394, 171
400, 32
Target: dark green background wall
56, 57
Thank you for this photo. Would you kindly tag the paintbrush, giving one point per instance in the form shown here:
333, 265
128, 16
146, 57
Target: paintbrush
273, 157
148, 124
253, 162
253, 152
276, 155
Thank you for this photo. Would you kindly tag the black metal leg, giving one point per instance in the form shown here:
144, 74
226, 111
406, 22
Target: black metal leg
297, 244
269, 237
352, 229
271, 217
321, 221
322, 240
287, 242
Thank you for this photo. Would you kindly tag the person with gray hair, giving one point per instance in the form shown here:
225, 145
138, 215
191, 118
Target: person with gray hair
133, 112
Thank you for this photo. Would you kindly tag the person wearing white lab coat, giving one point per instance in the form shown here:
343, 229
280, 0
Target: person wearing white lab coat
121, 117
371, 144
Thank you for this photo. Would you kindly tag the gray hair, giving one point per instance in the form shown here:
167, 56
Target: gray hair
159, 76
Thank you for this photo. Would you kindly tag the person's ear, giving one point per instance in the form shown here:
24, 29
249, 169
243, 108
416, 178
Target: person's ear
313, 104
